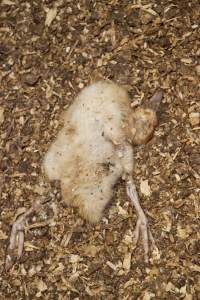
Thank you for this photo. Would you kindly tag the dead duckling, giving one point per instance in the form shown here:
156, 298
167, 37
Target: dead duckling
93, 150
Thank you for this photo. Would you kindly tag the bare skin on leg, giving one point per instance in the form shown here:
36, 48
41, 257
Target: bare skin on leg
125, 153
142, 227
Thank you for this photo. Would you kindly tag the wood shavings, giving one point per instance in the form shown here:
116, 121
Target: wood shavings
170, 287
7, 2
167, 222
147, 8
66, 239
195, 268
111, 265
3, 236
148, 295
1, 115
74, 258
188, 297
197, 68
145, 188
142, 46
42, 287
194, 118
186, 60
50, 15
29, 247
30, 79
90, 250
182, 232
127, 261
122, 211
40, 224
156, 254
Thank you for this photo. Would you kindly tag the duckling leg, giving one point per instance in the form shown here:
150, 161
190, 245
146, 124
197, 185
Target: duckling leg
18, 232
142, 226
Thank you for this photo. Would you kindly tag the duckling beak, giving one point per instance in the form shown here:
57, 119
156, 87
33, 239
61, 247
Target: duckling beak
155, 100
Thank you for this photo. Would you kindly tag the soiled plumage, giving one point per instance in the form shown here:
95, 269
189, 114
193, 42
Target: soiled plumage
85, 156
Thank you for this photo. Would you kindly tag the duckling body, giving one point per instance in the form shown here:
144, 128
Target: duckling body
84, 156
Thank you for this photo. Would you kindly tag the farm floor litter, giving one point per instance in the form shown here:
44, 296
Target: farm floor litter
50, 50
